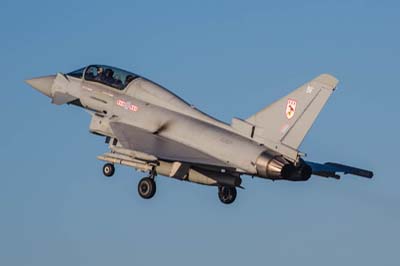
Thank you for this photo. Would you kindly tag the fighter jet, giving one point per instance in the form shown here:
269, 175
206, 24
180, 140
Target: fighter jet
149, 128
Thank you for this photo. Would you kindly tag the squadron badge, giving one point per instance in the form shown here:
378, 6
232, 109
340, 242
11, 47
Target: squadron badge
290, 108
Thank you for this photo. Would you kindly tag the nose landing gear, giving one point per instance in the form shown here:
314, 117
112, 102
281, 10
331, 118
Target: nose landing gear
108, 169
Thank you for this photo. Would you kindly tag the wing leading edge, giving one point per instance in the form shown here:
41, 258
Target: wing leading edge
332, 169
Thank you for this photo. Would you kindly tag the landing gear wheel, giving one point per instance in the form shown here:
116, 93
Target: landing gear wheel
147, 187
108, 169
226, 194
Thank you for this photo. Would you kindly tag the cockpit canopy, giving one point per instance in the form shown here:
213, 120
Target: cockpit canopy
143, 89
110, 76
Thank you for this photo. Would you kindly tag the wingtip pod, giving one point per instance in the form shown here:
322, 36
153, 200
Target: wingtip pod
328, 80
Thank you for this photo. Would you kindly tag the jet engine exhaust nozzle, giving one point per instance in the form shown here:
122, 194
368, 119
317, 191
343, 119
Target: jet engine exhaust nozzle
272, 166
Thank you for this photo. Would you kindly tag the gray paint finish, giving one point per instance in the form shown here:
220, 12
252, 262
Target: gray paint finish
146, 123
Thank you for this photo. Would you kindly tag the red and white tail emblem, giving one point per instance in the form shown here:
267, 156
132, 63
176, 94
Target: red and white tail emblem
290, 108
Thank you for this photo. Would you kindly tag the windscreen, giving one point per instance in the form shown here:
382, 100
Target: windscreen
77, 73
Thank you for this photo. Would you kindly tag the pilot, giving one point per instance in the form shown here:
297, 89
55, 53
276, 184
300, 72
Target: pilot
128, 79
108, 76
89, 73
100, 74
117, 82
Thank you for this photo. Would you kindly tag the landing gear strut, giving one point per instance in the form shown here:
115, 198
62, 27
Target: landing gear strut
108, 169
227, 194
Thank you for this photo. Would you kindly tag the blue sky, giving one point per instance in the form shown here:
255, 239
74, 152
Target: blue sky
229, 58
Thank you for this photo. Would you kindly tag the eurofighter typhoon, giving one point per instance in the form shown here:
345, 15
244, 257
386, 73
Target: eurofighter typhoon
151, 129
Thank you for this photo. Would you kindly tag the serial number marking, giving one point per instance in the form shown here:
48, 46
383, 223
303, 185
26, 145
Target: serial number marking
127, 105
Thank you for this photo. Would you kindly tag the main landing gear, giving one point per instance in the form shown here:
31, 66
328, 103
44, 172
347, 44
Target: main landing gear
227, 194
147, 186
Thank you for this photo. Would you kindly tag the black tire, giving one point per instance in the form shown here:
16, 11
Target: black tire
147, 187
227, 194
108, 169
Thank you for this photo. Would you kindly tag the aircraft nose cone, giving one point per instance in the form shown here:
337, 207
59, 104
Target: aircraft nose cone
42, 84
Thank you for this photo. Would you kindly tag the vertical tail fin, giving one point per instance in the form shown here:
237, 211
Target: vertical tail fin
288, 120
